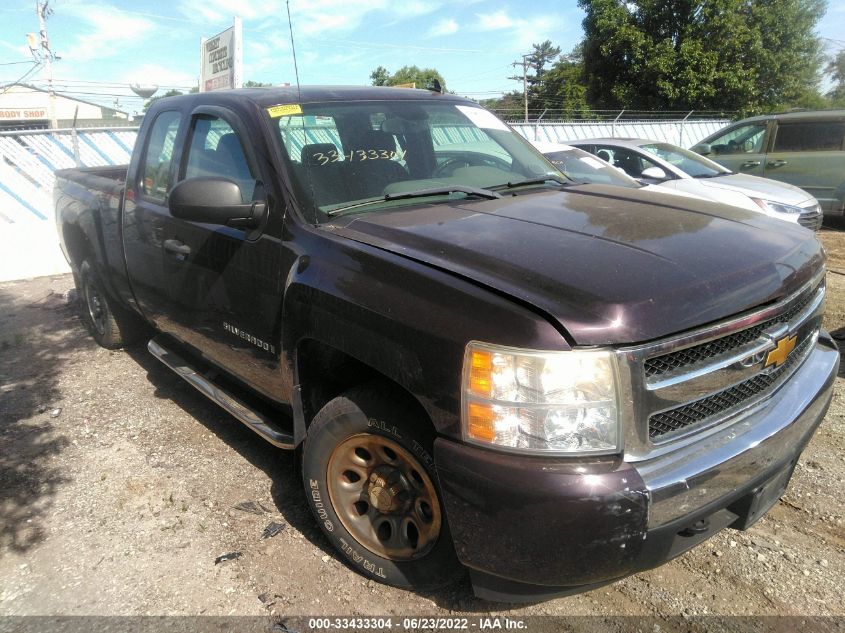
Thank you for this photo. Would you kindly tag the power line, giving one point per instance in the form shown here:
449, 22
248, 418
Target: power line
35, 65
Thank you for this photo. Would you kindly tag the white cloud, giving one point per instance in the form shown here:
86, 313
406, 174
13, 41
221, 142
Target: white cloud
223, 11
109, 29
159, 75
22, 50
413, 8
443, 27
494, 21
523, 31
312, 17
537, 29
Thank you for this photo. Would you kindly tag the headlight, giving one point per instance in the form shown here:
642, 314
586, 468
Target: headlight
777, 208
540, 402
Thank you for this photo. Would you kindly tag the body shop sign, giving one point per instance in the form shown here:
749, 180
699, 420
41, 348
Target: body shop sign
221, 60
23, 113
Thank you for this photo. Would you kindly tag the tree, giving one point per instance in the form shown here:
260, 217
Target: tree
169, 93
380, 76
563, 87
745, 55
256, 84
836, 69
508, 106
542, 54
422, 77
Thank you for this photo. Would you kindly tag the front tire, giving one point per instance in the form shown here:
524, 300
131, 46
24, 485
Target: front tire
369, 478
111, 325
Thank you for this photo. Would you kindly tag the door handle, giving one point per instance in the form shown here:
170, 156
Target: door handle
777, 163
749, 164
177, 248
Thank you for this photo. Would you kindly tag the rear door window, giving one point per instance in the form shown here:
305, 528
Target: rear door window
810, 136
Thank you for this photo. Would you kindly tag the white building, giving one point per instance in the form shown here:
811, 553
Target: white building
26, 107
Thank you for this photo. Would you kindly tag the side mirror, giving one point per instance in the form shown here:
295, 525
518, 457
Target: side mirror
214, 201
702, 148
653, 173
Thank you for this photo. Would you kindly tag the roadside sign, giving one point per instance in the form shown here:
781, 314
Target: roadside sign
222, 59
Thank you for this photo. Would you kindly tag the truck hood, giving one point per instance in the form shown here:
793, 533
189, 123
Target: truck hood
607, 264
764, 188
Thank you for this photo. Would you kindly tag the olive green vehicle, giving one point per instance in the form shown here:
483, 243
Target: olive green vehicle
805, 149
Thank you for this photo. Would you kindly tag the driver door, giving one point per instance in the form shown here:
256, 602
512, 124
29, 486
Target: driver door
223, 283
742, 148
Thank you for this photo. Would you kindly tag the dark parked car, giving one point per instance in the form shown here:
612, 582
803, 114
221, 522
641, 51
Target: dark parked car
482, 364
805, 149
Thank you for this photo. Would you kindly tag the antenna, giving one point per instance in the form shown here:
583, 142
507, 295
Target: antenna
293, 50
302, 117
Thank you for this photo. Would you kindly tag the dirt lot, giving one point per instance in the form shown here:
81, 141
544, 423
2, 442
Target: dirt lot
119, 486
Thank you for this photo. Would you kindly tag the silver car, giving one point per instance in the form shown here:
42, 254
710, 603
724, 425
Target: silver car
682, 170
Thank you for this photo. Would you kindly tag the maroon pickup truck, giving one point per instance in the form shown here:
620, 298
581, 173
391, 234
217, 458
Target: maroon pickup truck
482, 364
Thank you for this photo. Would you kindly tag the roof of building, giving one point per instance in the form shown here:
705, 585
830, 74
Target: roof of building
106, 109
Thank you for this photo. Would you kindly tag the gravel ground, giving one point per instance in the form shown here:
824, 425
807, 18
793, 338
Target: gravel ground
120, 486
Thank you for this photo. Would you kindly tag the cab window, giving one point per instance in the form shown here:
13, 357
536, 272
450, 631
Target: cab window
155, 177
215, 151
745, 139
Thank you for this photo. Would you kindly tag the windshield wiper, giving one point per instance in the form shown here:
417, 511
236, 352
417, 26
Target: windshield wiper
420, 193
561, 180
726, 173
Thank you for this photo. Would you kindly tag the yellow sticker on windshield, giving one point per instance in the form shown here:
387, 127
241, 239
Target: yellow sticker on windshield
284, 110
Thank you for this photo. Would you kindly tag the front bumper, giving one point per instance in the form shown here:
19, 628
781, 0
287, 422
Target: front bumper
534, 527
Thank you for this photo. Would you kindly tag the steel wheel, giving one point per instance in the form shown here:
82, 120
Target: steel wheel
94, 304
384, 497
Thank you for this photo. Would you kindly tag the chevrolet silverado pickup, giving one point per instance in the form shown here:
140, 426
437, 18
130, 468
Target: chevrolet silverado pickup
481, 364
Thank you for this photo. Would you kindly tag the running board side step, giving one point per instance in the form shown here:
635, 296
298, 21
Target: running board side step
254, 420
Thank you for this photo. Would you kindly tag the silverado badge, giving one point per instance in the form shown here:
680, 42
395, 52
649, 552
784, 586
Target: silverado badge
777, 356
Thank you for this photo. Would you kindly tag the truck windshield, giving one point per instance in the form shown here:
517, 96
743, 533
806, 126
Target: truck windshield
363, 156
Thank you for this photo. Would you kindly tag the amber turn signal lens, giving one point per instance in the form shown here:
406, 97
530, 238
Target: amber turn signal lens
481, 373
481, 422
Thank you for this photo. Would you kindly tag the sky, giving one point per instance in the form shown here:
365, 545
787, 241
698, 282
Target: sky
106, 45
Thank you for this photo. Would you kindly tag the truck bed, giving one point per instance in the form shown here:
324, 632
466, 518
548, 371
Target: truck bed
108, 179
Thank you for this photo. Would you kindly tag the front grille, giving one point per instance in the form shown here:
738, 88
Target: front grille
811, 220
691, 356
661, 424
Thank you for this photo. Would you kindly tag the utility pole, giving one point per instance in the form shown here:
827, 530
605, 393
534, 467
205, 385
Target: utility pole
524, 64
44, 11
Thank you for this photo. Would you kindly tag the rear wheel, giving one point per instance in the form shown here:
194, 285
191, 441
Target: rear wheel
111, 325
369, 478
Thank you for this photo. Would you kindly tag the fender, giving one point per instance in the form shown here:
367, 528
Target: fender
400, 317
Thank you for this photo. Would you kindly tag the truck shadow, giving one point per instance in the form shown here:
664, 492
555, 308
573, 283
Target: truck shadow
39, 337
280, 466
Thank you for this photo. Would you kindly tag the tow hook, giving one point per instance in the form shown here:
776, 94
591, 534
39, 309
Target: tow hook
700, 526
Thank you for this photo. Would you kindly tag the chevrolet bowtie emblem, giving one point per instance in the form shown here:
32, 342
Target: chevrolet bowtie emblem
778, 355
